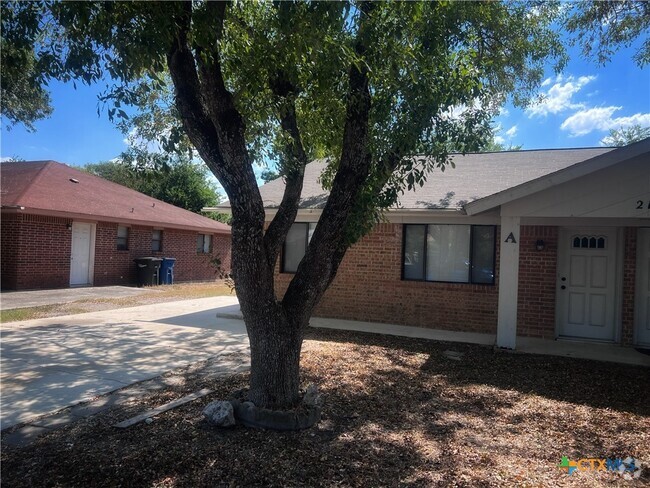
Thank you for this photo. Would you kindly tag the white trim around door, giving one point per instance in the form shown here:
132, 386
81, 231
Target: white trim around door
642, 297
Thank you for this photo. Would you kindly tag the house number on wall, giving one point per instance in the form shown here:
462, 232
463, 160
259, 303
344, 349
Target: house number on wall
640, 205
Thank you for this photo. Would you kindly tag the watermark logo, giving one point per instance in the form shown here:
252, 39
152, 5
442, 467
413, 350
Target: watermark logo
568, 466
629, 467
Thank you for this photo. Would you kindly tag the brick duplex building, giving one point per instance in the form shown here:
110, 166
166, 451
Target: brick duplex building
62, 227
551, 244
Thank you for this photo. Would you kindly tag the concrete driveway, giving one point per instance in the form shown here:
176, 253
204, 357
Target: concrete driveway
49, 364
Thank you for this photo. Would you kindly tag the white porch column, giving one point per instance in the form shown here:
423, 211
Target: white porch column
508, 283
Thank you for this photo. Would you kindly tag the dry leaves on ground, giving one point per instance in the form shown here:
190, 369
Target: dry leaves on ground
399, 412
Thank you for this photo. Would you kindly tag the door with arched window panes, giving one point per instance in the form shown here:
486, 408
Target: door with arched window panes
586, 283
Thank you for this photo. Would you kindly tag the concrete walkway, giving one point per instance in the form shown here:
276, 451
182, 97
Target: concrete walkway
49, 364
21, 299
576, 349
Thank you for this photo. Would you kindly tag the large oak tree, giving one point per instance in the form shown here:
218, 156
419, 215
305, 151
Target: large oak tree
371, 86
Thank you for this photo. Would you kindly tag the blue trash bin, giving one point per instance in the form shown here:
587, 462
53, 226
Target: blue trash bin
167, 271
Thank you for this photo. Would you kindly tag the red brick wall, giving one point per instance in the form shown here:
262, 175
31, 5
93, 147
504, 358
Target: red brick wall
117, 267
629, 285
537, 282
368, 287
114, 267
10, 236
36, 253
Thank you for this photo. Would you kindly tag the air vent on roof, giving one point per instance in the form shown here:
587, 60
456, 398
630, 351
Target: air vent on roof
74, 180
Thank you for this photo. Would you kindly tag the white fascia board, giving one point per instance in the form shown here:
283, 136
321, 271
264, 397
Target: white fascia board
562, 176
224, 210
403, 216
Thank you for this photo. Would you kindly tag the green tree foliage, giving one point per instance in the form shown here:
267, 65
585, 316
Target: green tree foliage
269, 175
174, 180
602, 27
369, 85
23, 97
626, 135
494, 146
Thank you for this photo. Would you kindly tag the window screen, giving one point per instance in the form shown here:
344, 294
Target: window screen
156, 240
449, 253
122, 238
295, 245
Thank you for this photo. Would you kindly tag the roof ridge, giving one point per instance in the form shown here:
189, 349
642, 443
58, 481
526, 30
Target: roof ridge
536, 150
34, 180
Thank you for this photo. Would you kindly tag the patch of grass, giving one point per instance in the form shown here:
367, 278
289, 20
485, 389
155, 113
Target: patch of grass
28, 313
154, 294
398, 412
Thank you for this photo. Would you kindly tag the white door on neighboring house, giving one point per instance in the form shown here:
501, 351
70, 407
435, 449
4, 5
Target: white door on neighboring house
80, 253
586, 283
642, 299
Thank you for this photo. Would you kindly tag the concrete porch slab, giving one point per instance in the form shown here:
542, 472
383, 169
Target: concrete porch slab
612, 353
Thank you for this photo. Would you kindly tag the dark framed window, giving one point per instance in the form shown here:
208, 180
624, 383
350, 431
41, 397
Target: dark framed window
449, 253
122, 238
295, 245
203, 243
156, 240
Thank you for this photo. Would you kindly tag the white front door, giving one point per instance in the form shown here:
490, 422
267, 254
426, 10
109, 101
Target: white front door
586, 286
80, 254
642, 299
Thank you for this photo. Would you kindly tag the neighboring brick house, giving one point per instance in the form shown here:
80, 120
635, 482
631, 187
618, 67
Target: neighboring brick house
62, 227
548, 244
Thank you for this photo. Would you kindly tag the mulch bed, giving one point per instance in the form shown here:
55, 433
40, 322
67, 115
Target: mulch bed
399, 412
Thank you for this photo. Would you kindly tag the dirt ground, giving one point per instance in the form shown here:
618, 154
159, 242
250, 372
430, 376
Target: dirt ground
399, 412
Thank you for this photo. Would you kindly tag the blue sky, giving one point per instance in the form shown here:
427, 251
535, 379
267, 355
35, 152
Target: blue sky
580, 107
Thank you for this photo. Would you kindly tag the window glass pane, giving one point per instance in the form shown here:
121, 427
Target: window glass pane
483, 254
199, 243
156, 238
414, 252
312, 228
122, 238
207, 240
294, 247
448, 253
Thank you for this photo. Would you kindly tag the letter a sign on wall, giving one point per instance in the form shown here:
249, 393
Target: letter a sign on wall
511, 238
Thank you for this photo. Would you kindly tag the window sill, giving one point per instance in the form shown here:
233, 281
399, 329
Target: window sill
460, 283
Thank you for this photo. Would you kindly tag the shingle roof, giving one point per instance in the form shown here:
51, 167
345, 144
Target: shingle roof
53, 188
475, 176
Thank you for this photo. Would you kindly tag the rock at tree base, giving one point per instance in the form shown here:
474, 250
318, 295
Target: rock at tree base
312, 398
220, 413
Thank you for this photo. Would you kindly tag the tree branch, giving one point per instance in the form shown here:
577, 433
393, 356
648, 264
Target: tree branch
328, 245
216, 129
294, 176
196, 121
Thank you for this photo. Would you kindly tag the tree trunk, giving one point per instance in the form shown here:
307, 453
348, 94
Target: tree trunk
275, 344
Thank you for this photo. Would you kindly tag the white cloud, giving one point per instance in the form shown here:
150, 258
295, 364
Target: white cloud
499, 139
601, 118
4, 159
512, 131
559, 96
